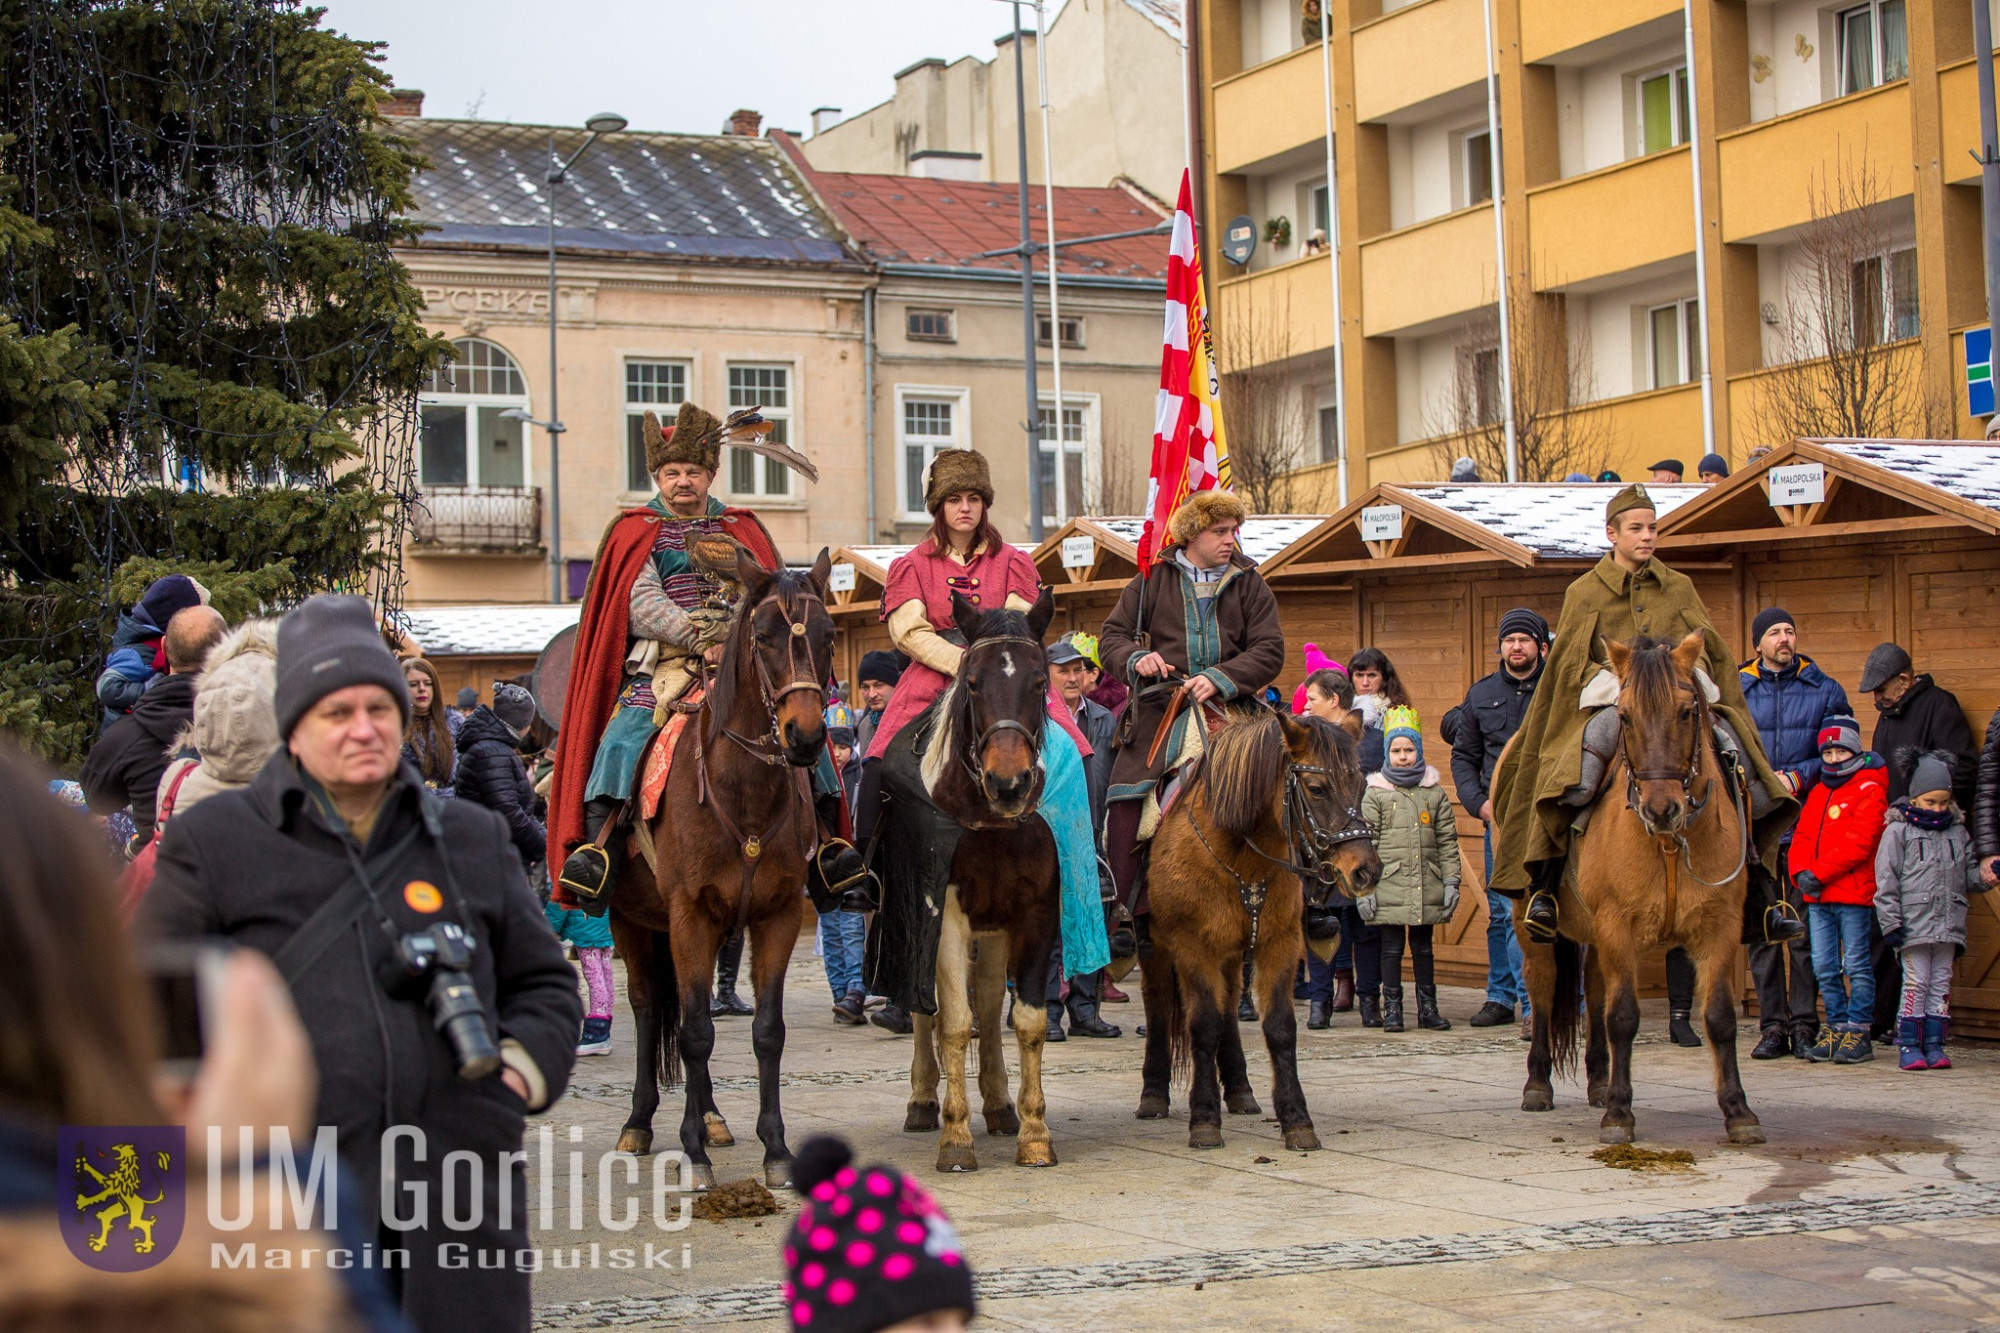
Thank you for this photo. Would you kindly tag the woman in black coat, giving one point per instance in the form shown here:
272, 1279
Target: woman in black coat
490, 770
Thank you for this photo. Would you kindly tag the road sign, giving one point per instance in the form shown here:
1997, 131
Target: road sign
1078, 552
1381, 523
1979, 372
1803, 484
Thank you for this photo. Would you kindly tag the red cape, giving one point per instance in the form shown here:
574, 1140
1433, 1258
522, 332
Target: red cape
597, 669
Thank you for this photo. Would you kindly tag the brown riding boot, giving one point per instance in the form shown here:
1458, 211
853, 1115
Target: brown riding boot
1343, 990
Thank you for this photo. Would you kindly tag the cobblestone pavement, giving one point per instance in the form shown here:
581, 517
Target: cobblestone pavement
1875, 1204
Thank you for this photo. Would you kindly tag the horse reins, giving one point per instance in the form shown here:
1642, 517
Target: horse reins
973, 753
1687, 777
1305, 835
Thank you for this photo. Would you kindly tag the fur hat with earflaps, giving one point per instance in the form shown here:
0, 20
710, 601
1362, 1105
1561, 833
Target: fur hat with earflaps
954, 471
1201, 511
695, 437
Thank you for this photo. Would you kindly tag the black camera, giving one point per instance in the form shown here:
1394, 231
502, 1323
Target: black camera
441, 956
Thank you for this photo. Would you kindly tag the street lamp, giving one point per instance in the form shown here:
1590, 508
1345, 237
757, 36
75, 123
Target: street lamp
604, 122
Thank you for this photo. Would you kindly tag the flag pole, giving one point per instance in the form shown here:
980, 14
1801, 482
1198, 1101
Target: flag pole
1028, 290
1066, 504
1333, 261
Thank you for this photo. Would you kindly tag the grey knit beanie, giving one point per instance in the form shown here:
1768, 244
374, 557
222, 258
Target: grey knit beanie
328, 643
1931, 772
513, 705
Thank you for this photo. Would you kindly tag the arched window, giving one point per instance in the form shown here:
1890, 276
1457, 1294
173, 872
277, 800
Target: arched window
465, 441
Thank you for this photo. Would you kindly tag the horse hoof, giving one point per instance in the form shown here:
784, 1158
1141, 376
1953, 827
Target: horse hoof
638, 1142
1301, 1138
1614, 1133
1746, 1131
1242, 1103
704, 1177
1003, 1121
716, 1130
1204, 1135
1597, 1092
956, 1157
1035, 1154
1538, 1099
1152, 1106
778, 1174
922, 1118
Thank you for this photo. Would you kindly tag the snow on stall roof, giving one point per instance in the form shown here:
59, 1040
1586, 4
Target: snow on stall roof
1263, 535
487, 631
884, 556
1553, 521
1969, 471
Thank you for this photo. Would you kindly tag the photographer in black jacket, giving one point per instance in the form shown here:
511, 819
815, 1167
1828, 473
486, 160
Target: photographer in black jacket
339, 865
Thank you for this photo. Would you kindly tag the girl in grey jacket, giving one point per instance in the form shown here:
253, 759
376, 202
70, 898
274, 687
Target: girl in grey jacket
1924, 870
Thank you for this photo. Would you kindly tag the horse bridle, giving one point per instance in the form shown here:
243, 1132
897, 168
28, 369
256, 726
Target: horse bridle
972, 755
769, 748
1304, 838
1687, 777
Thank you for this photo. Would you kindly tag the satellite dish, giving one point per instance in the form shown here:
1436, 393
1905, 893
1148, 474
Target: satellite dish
551, 676
1239, 240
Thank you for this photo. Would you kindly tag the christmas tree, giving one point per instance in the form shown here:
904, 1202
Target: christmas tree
209, 356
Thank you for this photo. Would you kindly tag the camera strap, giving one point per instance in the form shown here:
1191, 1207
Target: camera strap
336, 914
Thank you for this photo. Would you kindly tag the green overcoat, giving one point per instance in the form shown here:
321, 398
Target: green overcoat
1546, 756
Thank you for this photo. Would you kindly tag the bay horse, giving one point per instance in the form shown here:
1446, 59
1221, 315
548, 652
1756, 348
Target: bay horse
1274, 806
732, 840
983, 771
1638, 881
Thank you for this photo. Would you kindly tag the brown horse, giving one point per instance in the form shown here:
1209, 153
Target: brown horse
1637, 882
1274, 805
732, 841
983, 771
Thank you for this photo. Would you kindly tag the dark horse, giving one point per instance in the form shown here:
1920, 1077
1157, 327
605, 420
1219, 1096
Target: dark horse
983, 771
732, 841
1635, 885
1273, 806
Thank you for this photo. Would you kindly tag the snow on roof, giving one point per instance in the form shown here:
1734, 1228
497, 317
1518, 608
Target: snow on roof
1553, 521
884, 556
1262, 537
1969, 471
487, 631
1163, 14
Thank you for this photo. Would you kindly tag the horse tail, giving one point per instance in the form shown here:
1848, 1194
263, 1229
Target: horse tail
1173, 1016
1565, 1018
665, 985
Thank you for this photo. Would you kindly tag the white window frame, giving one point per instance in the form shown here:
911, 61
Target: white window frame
1468, 366
472, 403
1678, 105
960, 399
636, 407
1876, 71
1886, 297
1687, 325
1069, 506
788, 415
1480, 134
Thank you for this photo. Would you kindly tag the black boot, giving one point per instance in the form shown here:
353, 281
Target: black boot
1246, 1007
1319, 1017
1773, 1043
1680, 1030
1538, 914
591, 871
1371, 1008
892, 1017
1767, 917
1392, 1007
1428, 1016
727, 963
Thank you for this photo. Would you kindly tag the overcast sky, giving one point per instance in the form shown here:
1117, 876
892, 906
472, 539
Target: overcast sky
665, 64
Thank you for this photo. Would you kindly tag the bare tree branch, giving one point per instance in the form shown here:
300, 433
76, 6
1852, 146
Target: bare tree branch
1263, 407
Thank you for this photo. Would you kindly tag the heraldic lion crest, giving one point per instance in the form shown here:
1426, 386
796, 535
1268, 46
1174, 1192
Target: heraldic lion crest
118, 1196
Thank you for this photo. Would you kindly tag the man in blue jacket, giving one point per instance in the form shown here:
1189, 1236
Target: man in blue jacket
1788, 696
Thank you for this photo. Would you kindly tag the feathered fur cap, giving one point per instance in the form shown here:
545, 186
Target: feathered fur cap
1203, 510
957, 470
697, 437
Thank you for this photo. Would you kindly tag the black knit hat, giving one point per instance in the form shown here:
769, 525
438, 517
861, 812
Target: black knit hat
879, 665
1521, 620
870, 1248
1769, 616
328, 643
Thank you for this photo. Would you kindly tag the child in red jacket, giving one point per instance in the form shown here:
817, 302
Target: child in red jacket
1833, 863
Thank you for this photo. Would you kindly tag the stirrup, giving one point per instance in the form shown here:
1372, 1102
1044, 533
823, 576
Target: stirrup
1782, 924
587, 874
849, 888
1540, 925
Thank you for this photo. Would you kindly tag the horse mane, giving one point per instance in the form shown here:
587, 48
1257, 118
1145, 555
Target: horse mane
737, 649
1649, 674
1242, 769
1331, 747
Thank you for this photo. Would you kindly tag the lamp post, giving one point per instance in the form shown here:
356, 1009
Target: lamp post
604, 122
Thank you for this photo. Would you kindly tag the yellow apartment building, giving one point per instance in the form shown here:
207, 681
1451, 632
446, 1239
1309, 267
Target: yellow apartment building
1837, 253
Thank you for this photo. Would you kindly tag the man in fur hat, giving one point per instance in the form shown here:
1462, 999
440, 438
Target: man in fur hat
649, 617
1550, 771
1202, 620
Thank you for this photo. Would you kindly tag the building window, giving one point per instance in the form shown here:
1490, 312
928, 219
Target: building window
1477, 164
1479, 369
929, 423
1674, 336
1072, 330
1874, 45
659, 387
464, 436
1329, 435
1062, 492
769, 390
929, 326
1663, 109
1882, 292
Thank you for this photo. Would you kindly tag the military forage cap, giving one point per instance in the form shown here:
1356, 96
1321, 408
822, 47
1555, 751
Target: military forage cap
695, 437
1632, 497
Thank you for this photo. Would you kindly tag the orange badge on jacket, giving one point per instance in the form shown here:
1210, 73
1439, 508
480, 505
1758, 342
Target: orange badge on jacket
422, 896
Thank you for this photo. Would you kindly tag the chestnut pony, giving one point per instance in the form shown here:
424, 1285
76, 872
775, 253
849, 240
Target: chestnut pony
732, 840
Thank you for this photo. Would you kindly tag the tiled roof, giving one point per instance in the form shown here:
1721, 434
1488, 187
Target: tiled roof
1554, 521
916, 220
1969, 471
1262, 535
712, 197
488, 631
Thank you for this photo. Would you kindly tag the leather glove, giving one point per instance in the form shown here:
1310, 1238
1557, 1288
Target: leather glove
711, 625
1450, 901
1893, 939
1367, 907
1808, 884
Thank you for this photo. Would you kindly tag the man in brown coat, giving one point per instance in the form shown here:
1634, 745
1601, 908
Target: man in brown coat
1201, 622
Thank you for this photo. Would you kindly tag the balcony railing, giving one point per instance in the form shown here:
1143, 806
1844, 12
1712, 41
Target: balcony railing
479, 518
